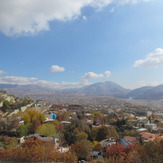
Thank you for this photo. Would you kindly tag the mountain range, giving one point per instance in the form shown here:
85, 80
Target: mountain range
107, 88
147, 93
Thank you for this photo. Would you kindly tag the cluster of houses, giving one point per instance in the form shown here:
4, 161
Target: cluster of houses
139, 123
96, 154
55, 141
147, 126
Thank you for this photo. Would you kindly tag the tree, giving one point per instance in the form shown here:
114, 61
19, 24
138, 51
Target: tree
121, 124
48, 130
102, 133
26, 100
82, 148
70, 135
36, 124
6, 104
141, 141
97, 146
31, 115
116, 150
27, 118
59, 126
33, 119
82, 136
99, 117
119, 151
63, 117
22, 130
35, 150
112, 132
152, 148
94, 132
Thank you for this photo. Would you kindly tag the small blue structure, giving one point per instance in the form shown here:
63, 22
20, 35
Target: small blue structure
54, 116
123, 142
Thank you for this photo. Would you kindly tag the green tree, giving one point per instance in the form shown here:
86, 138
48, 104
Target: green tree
94, 132
70, 135
82, 135
102, 133
22, 130
26, 100
6, 104
48, 130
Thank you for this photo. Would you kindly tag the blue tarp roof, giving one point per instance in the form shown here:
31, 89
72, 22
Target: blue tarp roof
123, 142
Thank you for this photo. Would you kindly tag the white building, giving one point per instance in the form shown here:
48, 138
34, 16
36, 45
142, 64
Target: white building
151, 126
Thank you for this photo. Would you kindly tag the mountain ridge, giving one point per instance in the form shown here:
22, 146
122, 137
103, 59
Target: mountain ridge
107, 88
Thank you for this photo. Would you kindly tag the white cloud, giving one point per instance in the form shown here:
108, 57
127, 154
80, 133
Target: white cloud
51, 84
2, 72
92, 75
84, 17
26, 17
17, 80
44, 83
153, 59
60, 85
107, 73
56, 68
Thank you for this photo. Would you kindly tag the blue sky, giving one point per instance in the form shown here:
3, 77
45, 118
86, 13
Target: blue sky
72, 43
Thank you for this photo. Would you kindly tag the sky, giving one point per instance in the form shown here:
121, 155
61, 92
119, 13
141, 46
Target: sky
73, 43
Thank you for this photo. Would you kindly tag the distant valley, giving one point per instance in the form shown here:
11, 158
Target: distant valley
107, 88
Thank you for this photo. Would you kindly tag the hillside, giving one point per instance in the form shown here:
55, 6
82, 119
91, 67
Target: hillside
22, 90
4, 86
105, 88
147, 93
138, 93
